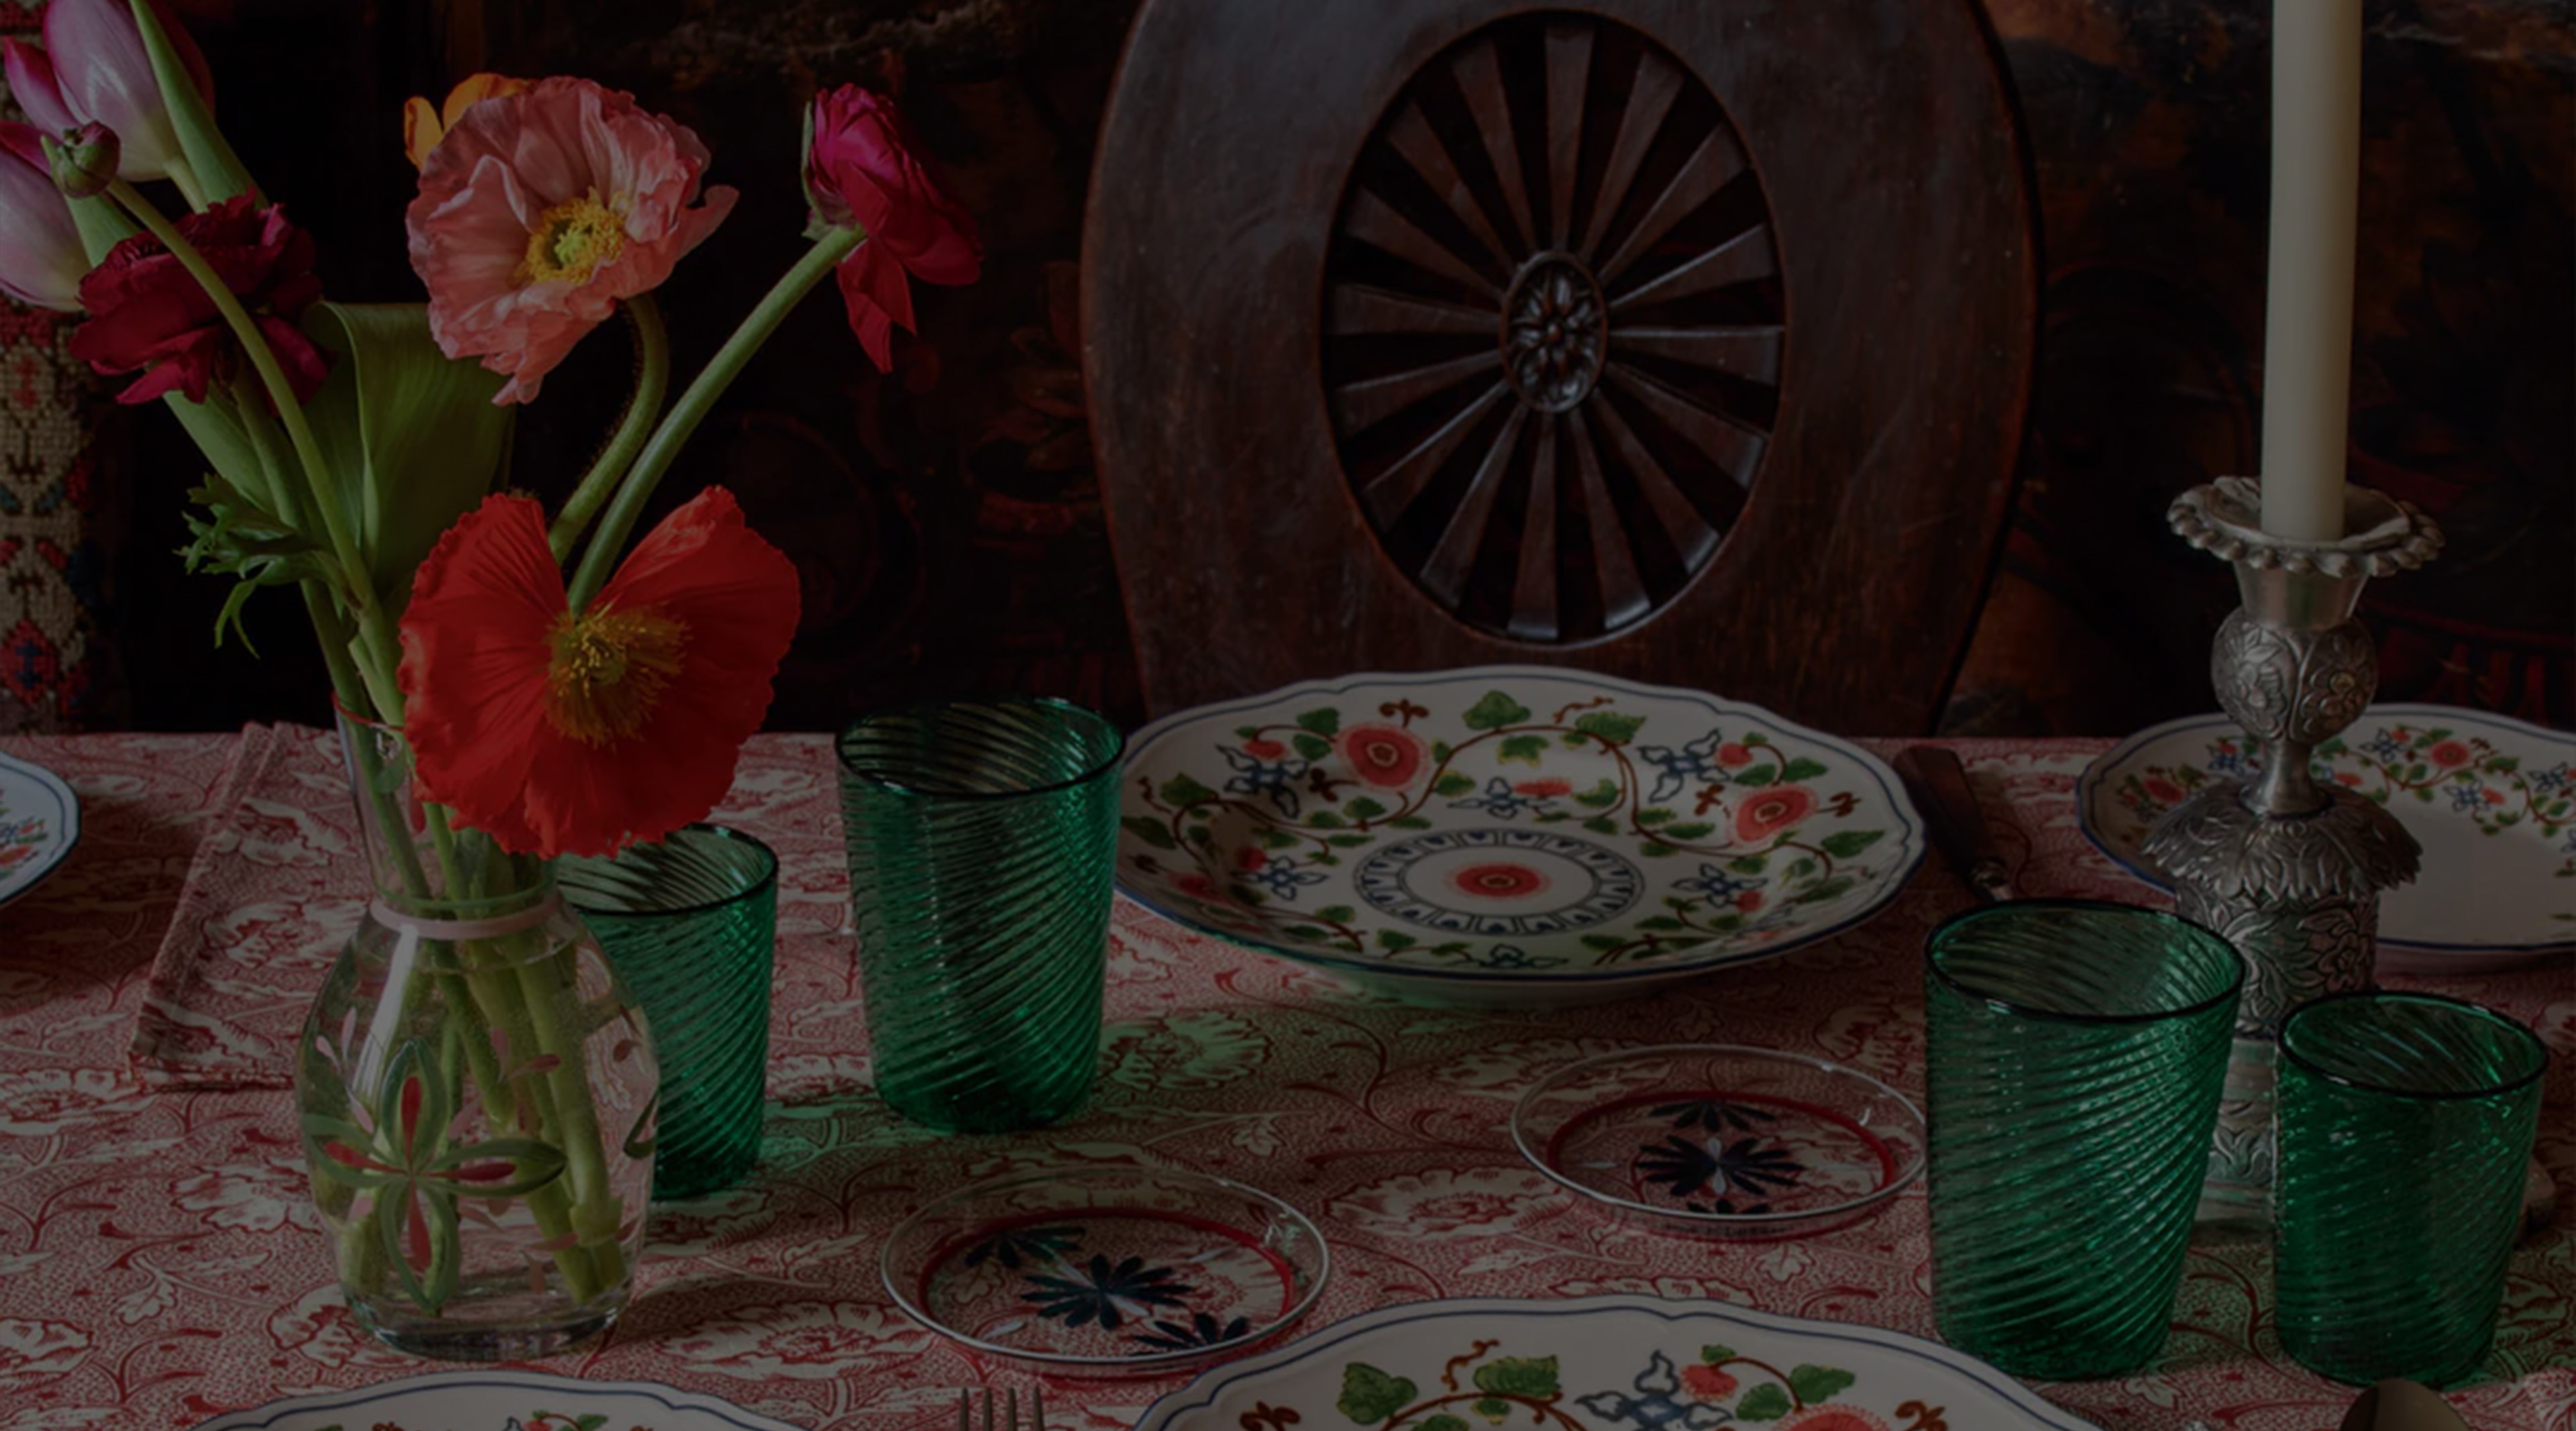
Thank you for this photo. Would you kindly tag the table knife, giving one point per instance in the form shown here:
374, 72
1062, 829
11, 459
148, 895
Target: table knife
1939, 784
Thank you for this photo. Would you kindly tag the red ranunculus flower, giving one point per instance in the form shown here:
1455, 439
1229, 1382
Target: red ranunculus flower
860, 171
148, 315
1771, 811
578, 734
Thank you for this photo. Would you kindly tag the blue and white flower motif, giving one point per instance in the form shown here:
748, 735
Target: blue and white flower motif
1695, 761
1717, 885
1254, 776
1512, 956
1658, 1405
1501, 801
1281, 877
2549, 782
2384, 748
2227, 762
2467, 796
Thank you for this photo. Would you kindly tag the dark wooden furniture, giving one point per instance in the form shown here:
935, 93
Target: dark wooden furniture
1688, 340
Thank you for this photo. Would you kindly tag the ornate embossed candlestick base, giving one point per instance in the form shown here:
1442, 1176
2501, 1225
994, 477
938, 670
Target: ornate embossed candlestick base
2285, 869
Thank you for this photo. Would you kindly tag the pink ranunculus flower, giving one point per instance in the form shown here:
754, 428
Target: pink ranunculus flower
93, 69
539, 211
861, 171
41, 260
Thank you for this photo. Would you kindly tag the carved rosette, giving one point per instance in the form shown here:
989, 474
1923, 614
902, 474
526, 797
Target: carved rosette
2300, 686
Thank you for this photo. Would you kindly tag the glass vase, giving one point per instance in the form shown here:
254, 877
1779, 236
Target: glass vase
477, 1093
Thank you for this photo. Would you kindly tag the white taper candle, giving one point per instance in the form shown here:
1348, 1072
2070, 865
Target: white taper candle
2307, 340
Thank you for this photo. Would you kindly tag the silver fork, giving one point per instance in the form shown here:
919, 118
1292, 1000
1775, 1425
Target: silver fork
1008, 1406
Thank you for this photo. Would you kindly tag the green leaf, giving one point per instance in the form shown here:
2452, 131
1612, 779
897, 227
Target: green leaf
1523, 748
1370, 1396
1391, 940
1492, 1409
1247, 732
1442, 1422
1603, 942
1322, 721
1495, 711
1602, 825
1313, 747
1816, 1385
1693, 831
1440, 751
1749, 864
1661, 923
1758, 775
1599, 797
1325, 820
1616, 729
1277, 839
1408, 822
1712, 1355
1350, 842
1452, 783
410, 435
1308, 931
591, 1422
1202, 836
1656, 849
1834, 888
1151, 832
1363, 808
1802, 769
1727, 923
1336, 914
1518, 1376
1800, 868
1767, 1402
1653, 815
1181, 792
1843, 844
219, 172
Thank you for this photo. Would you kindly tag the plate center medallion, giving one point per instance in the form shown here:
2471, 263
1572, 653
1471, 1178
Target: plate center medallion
1499, 881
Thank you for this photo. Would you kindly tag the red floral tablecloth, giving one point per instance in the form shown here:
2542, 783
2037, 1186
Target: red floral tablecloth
159, 1261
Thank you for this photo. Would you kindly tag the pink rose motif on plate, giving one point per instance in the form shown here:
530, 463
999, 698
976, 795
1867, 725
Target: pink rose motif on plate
251, 1197
38, 1101
1768, 812
1385, 756
802, 1341
1446, 1203
31, 1351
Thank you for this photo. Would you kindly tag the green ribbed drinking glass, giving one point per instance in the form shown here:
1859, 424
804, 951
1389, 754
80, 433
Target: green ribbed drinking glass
2076, 1053
981, 836
691, 923
2405, 1122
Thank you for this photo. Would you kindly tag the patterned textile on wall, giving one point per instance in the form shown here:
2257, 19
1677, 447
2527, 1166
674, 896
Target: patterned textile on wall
53, 662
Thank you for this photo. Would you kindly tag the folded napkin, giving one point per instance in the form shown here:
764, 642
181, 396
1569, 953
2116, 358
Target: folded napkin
275, 888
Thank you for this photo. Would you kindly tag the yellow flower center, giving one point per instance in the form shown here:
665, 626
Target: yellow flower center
572, 241
608, 671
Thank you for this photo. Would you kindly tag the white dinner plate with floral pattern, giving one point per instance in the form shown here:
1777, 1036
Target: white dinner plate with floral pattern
499, 1401
2492, 800
1603, 1364
39, 824
1509, 835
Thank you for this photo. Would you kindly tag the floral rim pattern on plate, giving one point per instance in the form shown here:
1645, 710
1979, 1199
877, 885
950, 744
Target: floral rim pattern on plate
39, 825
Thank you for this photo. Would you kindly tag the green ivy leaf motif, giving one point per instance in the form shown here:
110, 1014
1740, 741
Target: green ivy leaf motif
1322, 721
417, 1172
1818, 1384
1610, 726
1653, 815
1518, 1376
1363, 808
1393, 941
1802, 769
1336, 914
1656, 849
1602, 825
1442, 1422
1181, 792
1370, 1396
1713, 1355
1452, 783
1766, 1402
1493, 1409
1495, 711
1599, 797
1412, 822
1834, 888
1695, 830
1523, 748
1325, 820
1313, 747
1758, 775
1843, 844
1151, 832
1749, 864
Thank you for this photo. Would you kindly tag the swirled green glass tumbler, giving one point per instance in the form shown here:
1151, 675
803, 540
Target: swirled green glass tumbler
691, 924
2076, 1053
981, 837
2405, 1123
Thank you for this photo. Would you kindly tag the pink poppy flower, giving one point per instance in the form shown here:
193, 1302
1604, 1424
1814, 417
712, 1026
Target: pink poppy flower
539, 211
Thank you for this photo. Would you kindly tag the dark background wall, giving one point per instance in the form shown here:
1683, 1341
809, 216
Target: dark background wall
946, 517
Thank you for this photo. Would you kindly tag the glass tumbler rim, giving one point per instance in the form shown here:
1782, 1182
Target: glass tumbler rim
1116, 756
767, 882
2022, 1009
2513, 1028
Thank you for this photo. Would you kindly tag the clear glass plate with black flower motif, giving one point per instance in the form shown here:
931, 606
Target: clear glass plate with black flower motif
1114, 1269
1719, 1140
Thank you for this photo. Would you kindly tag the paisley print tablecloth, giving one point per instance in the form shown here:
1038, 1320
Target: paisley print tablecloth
159, 1262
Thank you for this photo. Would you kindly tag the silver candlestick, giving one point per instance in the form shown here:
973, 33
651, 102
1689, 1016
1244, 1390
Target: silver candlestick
2287, 870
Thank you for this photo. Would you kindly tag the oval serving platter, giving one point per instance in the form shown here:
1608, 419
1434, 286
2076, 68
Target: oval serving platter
2492, 800
39, 824
1509, 835
1604, 1364
499, 1400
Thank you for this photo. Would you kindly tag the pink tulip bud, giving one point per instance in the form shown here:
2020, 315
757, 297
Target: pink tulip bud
41, 261
84, 161
93, 69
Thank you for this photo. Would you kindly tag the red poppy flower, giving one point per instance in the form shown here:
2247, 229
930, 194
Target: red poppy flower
148, 315
1732, 755
2448, 754
1383, 755
1772, 811
579, 734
